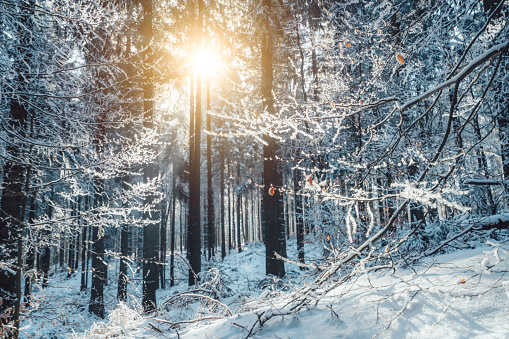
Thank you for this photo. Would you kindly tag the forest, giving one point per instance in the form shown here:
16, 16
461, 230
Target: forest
254, 169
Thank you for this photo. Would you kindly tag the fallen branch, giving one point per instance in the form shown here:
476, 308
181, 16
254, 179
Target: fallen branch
498, 221
196, 296
484, 182
177, 323
297, 263
155, 328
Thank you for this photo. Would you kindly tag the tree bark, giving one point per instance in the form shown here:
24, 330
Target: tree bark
223, 236
151, 171
124, 248
194, 229
239, 204
210, 199
14, 177
230, 245
84, 252
272, 215
172, 230
299, 220
30, 261
98, 264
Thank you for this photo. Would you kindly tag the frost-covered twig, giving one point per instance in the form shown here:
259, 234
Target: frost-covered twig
486, 56
196, 296
262, 320
297, 263
499, 221
195, 320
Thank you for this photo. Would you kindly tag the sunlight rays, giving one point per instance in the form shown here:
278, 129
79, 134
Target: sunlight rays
205, 61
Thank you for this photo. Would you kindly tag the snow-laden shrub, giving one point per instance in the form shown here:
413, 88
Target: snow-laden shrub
213, 281
430, 236
120, 321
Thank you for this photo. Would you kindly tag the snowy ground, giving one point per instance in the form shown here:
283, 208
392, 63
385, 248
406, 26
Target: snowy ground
61, 309
459, 295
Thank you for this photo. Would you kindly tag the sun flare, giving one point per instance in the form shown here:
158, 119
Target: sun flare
206, 61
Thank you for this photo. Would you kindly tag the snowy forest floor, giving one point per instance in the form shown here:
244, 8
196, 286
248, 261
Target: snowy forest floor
458, 295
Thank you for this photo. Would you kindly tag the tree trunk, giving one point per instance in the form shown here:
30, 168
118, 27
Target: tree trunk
164, 245
13, 196
30, 260
98, 268
84, 253
230, 245
239, 204
182, 226
272, 179
210, 199
46, 253
124, 248
223, 236
72, 245
299, 220
151, 171
172, 230
98, 264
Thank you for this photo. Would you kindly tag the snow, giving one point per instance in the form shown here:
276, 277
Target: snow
487, 221
61, 309
454, 296
457, 295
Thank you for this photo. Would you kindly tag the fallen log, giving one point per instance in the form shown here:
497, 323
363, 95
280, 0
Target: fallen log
484, 182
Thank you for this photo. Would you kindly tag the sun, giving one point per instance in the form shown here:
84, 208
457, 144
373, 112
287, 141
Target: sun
206, 61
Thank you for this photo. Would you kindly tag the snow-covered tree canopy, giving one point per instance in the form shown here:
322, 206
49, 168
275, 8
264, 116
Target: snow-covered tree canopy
140, 137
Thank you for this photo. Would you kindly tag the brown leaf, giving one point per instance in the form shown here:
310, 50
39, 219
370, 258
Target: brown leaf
400, 59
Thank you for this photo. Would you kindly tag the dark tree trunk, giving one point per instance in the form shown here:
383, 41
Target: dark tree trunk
172, 230
152, 218
61, 252
98, 264
194, 227
163, 247
124, 248
72, 246
13, 196
89, 249
299, 220
84, 253
239, 204
46, 252
98, 268
210, 199
223, 236
30, 259
252, 235
99, 44
245, 218
182, 226
230, 246
272, 178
